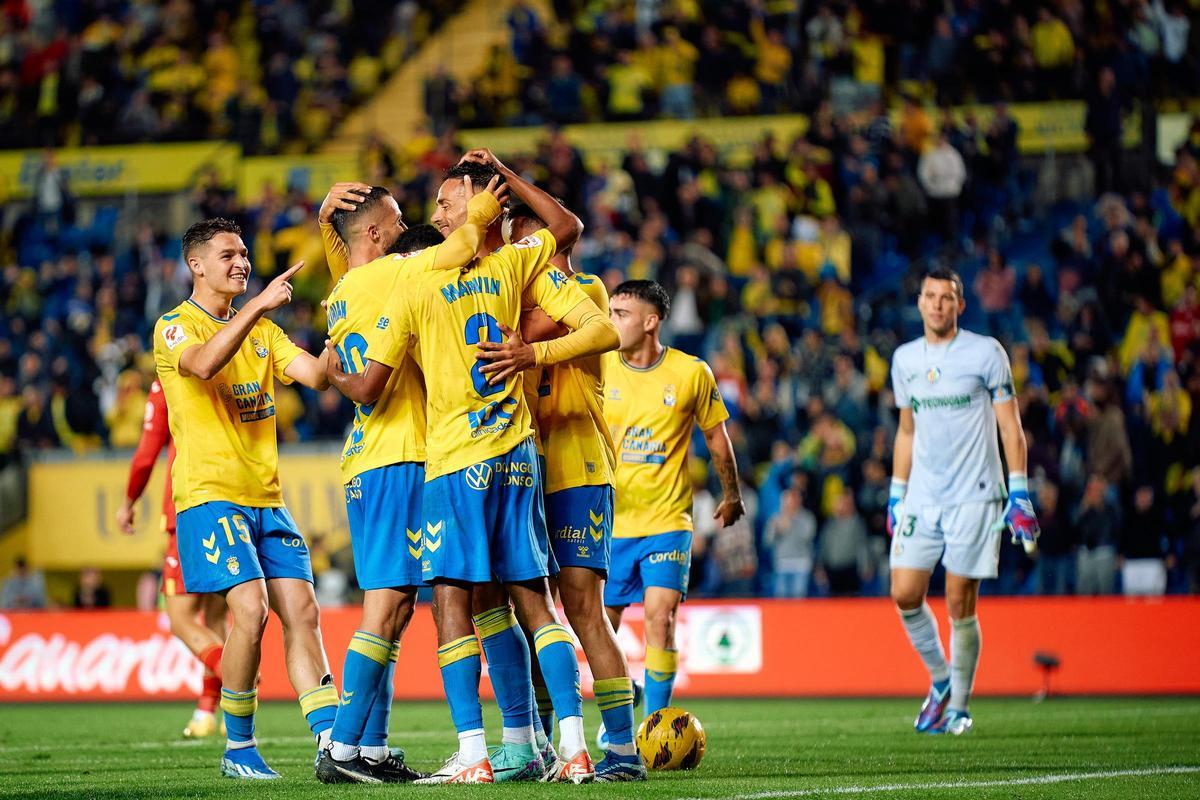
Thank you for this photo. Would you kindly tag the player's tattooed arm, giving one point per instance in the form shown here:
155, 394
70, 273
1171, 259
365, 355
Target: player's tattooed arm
363, 387
204, 361
731, 508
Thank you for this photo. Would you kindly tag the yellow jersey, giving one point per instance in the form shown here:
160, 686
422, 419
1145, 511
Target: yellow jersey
224, 428
650, 413
570, 414
392, 429
445, 314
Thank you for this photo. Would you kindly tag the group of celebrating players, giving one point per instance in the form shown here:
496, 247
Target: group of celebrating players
516, 432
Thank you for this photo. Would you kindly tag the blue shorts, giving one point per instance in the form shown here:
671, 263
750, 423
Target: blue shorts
579, 520
222, 544
486, 521
384, 508
662, 559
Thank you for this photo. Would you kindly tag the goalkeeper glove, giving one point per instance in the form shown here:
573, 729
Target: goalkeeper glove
1018, 514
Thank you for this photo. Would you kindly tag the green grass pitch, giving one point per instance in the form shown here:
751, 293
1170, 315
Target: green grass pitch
757, 749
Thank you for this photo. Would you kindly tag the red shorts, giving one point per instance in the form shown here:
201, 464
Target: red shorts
172, 572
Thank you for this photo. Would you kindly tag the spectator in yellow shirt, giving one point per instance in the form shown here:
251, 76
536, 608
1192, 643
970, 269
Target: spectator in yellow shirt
677, 61
626, 84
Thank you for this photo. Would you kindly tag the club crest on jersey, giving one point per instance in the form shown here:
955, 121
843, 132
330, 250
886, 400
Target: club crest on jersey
259, 350
934, 374
669, 395
479, 476
614, 393
232, 565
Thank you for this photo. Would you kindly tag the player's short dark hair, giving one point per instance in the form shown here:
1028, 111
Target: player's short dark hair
650, 292
417, 238
945, 274
480, 174
519, 210
202, 233
341, 217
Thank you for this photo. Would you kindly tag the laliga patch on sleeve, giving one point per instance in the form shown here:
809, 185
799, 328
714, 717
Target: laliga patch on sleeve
173, 335
529, 241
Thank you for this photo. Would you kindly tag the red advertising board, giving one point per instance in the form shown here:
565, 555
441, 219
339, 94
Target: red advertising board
737, 648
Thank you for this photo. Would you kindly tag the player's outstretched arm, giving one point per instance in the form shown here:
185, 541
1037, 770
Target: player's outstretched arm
205, 360
731, 507
1019, 515
564, 226
363, 387
155, 436
590, 334
901, 467
309, 370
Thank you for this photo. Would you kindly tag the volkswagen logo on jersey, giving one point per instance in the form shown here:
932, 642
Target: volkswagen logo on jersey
934, 374
479, 476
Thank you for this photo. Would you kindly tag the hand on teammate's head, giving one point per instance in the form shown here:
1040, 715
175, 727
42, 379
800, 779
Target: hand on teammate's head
344, 196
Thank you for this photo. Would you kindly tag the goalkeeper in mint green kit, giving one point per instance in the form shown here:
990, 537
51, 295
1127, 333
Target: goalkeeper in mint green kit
948, 499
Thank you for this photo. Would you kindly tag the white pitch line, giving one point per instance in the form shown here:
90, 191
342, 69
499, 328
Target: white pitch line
1035, 780
166, 743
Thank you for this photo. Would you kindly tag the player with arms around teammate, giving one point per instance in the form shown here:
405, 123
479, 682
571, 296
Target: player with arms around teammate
482, 498
947, 498
218, 368
383, 469
653, 395
183, 609
580, 461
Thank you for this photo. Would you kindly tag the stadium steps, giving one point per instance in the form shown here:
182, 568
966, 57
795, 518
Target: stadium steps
461, 45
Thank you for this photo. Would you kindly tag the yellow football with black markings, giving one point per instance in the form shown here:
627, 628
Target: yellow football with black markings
671, 738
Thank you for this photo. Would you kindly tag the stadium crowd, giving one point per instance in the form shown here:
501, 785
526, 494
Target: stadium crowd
597, 61
269, 76
793, 276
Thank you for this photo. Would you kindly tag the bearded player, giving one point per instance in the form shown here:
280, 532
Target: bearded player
183, 609
947, 498
653, 396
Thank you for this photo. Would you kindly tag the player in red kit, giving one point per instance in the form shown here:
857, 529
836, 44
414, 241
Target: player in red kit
183, 610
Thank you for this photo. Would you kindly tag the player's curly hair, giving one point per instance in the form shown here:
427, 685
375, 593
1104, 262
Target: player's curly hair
202, 232
341, 217
417, 238
650, 292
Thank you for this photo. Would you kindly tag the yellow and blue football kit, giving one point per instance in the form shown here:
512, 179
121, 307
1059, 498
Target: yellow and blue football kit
650, 413
232, 526
383, 459
579, 454
483, 510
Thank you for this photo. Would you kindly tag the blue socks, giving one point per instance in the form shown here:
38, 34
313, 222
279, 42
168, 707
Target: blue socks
460, 665
508, 664
239, 709
367, 658
661, 666
375, 733
614, 696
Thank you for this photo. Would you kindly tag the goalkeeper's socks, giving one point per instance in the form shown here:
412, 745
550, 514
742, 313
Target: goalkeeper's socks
319, 706
560, 670
661, 666
367, 658
375, 734
921, 626
965, 643
460, 666
210, 657
614, 696
239, 708
508, 665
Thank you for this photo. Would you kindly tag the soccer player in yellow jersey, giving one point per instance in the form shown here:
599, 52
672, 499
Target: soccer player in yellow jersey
383, 469
653, 395
218, 368
483, 515
580, 461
